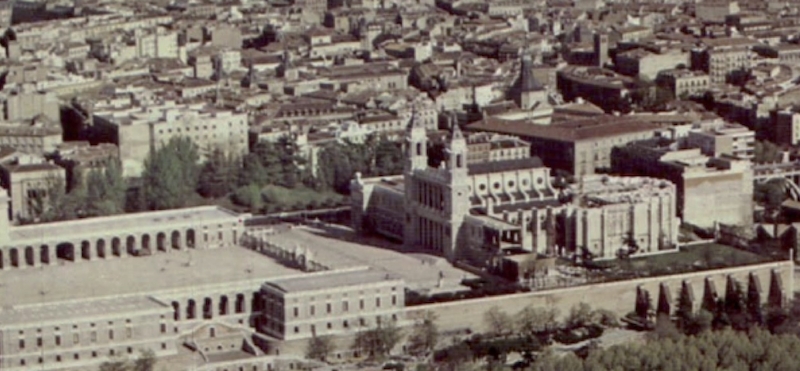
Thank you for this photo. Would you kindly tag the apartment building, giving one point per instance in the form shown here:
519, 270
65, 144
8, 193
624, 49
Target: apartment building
137, 130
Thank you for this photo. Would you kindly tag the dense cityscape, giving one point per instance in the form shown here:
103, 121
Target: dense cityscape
332, 185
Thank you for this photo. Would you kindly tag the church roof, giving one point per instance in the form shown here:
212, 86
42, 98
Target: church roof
504, 165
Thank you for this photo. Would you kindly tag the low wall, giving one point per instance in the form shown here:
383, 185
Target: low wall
618, 296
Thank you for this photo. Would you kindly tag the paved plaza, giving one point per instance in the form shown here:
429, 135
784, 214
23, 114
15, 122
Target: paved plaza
338, 247
136, 275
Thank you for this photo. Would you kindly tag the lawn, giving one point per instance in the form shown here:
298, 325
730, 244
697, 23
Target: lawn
281, 198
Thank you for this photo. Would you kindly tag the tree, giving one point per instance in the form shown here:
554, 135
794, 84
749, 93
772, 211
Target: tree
533, 321
734, 304
766, 151
115, 366
454, 357
753, 302
146, 361
53, 203
378, 341
498, 322
218, 175
424, 335
684, 310
105, 191
319, 348
170, 175
644, 304
579, 315
248, 196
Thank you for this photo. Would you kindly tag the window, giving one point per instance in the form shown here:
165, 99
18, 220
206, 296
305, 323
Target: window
58, 358
130, 350
76, 356
328, 307
296, 312
164, 346
394, 300
361, 304
76, 339
311, 310
94, 354
163, 328
296, 329
129, 332
21, 343
58, 340
378, 302
93, 336
345, 306
330, 326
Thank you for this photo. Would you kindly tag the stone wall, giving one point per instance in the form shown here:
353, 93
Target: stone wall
618, 297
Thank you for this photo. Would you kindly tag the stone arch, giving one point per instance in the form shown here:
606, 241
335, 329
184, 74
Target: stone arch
223, 305
176, 240
65, 251
240, 303
115, 247
190, 238
161, 241
208, 308
190, 309
176, 309
44, 254
130, 245
145, 241
86, 250
100, 245
30, 256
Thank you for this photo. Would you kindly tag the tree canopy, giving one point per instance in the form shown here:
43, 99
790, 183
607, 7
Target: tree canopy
170, 175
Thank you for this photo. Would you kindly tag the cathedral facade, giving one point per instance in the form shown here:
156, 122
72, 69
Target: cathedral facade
482, 212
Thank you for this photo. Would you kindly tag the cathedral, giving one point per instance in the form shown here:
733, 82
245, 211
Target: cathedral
484, 212
481, 212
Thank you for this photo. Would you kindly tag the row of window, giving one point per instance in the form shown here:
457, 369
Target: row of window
77, 356
362, 322
345, 307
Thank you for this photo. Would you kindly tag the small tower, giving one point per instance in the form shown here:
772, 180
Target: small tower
457, 203
600, 49
416, 144
529, 90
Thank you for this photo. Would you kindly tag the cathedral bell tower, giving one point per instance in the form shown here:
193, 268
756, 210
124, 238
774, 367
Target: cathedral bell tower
416, 152
416, 144
457, 204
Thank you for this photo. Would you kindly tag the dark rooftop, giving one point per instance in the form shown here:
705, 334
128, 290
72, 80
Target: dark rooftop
504, 165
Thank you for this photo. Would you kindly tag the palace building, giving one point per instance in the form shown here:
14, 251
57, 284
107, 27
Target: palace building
485, 212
